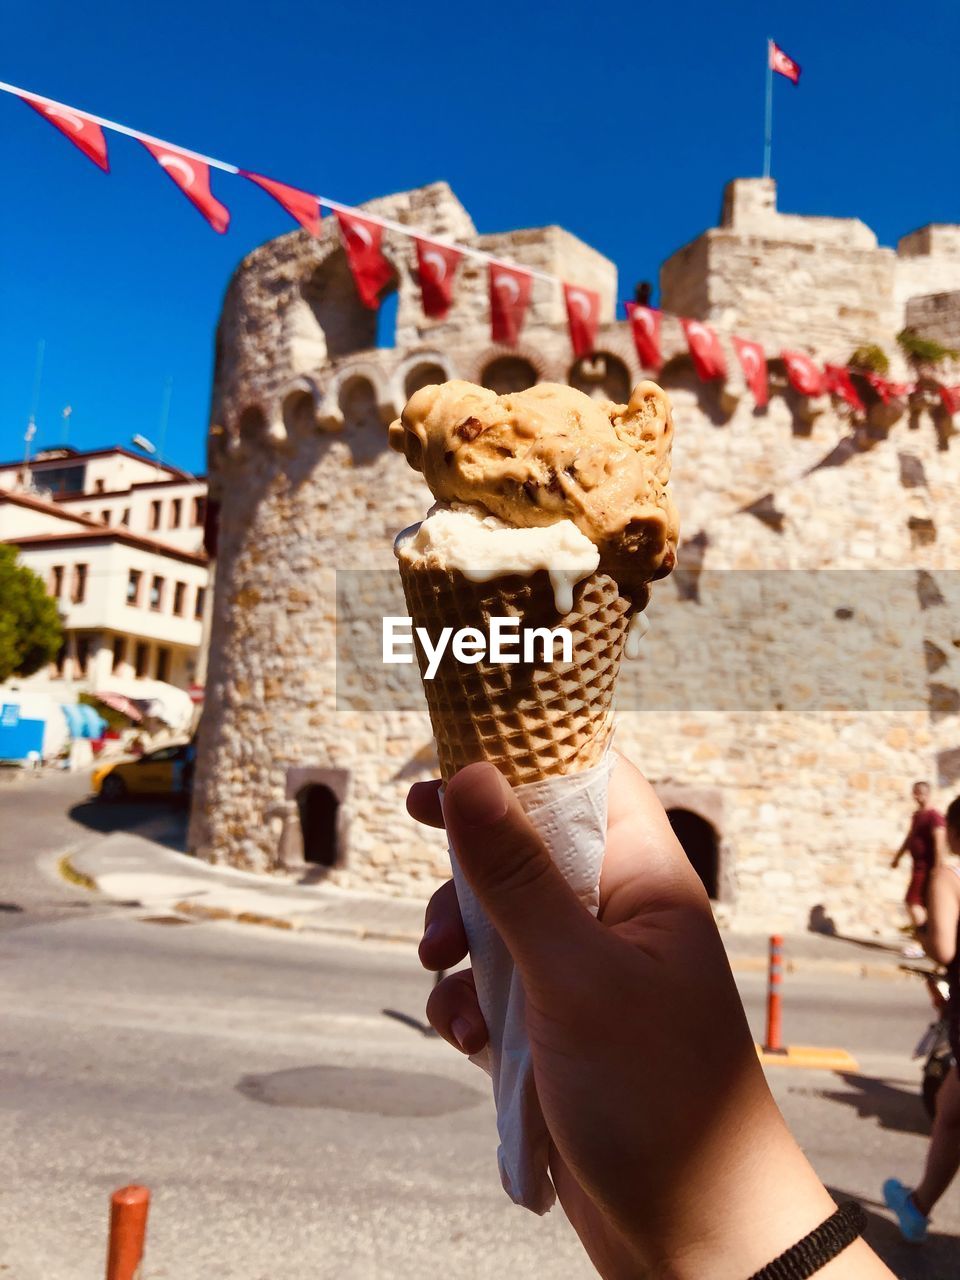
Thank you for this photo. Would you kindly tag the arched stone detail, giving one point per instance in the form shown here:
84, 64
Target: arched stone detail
544, 370
603, 372
329, 412
423, 358
330, 294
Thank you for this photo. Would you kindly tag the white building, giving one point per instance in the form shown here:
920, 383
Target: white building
118, 540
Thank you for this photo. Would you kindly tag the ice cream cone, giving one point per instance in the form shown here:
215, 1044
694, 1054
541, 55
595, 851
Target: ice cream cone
536, 719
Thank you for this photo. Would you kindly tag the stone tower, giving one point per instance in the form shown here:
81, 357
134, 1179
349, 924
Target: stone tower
781, 803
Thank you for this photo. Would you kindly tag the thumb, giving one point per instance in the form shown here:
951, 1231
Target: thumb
509, 869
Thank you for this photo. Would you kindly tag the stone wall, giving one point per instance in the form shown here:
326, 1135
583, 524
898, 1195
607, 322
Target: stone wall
806, 797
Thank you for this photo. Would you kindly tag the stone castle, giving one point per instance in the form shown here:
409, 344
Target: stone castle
788, 792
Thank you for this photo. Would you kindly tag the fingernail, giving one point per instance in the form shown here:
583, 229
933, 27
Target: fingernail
461, 1029
481, 800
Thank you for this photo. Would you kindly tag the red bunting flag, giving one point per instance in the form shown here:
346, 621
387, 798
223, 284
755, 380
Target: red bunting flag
950, 396
300, 205
362, 238
583, 317
193, 178
804, 375
509, 297
783, 63
645, 326
839, 383
81, 131
436, 264
883, 388
753, 362
708, 358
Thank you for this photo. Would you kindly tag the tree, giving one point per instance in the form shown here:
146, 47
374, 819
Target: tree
30, 629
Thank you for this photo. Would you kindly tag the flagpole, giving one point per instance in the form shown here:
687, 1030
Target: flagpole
768, 120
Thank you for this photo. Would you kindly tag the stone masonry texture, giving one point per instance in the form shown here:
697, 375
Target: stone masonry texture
804, 793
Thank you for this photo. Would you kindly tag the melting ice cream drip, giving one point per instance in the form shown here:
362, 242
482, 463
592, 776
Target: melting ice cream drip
638, 628
482, 547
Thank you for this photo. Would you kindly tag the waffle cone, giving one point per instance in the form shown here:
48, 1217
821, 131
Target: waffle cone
532, 720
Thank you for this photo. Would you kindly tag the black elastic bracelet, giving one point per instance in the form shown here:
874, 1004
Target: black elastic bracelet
815, 1250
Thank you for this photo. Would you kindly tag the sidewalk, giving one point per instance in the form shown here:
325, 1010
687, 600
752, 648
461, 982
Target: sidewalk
142, 869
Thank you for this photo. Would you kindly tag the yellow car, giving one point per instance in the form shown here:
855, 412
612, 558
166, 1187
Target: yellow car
168, 771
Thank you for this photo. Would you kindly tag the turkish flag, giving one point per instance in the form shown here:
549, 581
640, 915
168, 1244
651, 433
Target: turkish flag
193, 178
708, 357
436, 264
583, 317
950, 397
362, 238
509, 298
645, 326
300, 205
783, 63
839, 383
804, 375
81, 131
753, 362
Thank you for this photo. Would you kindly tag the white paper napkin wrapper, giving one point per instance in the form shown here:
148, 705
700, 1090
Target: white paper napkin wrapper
570, 815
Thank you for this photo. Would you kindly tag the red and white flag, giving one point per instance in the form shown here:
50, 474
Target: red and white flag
81, 131
193, 178
509, 297
753, 362
436, 264
782, 62
300, 205
645, 326
839, 383
362, 238
708, 358
583, 317
950, 397
804, 375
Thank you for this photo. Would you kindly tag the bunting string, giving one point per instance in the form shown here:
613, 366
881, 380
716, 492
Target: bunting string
510, 283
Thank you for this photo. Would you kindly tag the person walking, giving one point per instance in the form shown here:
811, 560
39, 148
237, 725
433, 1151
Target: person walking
925, 843
913, 1208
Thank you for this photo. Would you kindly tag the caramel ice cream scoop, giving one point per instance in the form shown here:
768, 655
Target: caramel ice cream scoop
551, 453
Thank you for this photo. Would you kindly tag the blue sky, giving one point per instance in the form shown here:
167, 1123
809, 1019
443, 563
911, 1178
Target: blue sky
621, 122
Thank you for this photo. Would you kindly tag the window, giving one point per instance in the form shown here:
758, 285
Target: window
79, 583
105, 515
99, 486
176, 510
83, 654
140, 659
163, 663
155, 514
199, 509
179, 592
198, 604
119, 651
133, 587
56, 581
156, 593
125, 518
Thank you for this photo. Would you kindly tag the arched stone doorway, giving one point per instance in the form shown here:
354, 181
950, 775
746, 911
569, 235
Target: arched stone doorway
319, 795
699, 840
318, 808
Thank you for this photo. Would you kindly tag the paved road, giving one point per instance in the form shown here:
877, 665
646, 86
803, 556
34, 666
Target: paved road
279, 1096
41, 817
